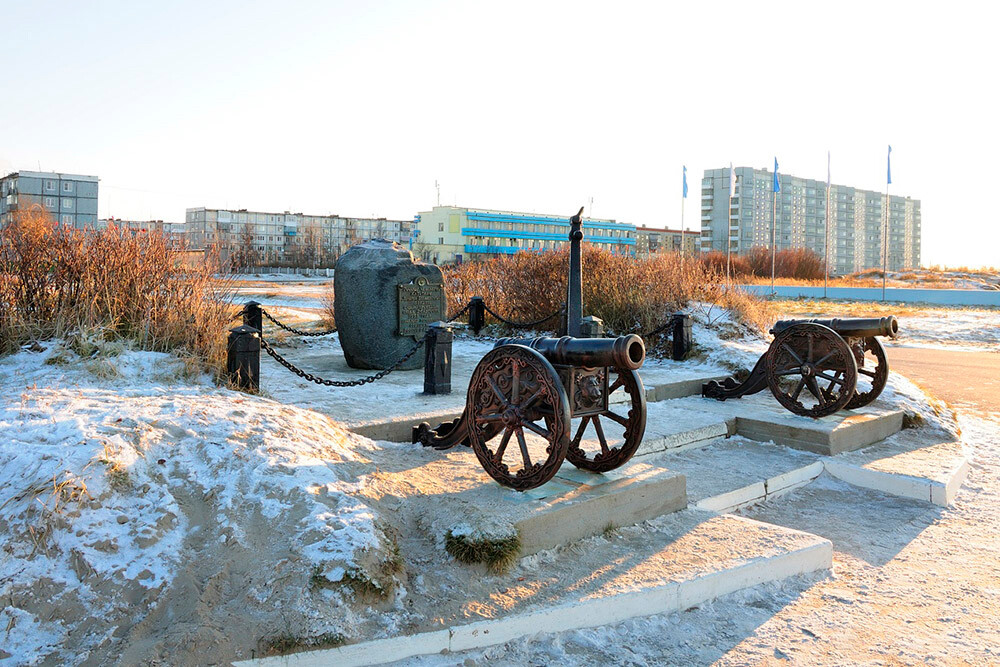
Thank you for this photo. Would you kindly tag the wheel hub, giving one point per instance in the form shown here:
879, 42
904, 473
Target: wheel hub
807, 370
511, 416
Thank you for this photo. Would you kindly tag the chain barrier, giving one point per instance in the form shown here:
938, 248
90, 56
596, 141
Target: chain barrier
339, 383
297, 332
459, 313
522, 325
239, 315
660, 329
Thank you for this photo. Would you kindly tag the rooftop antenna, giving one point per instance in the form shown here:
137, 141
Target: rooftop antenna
438, 186
591, 211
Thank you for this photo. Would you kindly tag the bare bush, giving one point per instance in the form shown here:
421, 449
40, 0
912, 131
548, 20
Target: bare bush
55, 281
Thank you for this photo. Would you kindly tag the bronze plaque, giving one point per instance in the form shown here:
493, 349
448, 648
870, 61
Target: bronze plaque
420, 303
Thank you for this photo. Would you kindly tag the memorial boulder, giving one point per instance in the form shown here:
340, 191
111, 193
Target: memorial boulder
384, 301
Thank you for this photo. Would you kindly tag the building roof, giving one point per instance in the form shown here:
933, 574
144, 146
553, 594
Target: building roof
52, 174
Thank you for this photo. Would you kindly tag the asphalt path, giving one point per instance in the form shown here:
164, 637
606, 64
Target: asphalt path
968, 380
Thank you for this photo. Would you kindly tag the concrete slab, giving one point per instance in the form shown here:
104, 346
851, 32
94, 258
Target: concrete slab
760, 417
906, 465
728, 474
700, 557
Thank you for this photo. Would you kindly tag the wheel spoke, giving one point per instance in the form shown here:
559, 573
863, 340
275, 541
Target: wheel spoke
618, 418
503, 444
791, 352
496, 416
580, 431
814, 389
534, 397
809, 352
600, 435
798, 389
620, 382
496, 390
834, 379
795, 370
865, 371
537, 429
825, 358
524, 447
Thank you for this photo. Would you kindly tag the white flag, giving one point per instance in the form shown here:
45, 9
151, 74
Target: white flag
732, 180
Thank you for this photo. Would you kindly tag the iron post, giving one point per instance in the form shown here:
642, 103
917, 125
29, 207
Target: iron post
243, 358
252, 317
681, 336
477, 314
592, 327
437, 358
574, 297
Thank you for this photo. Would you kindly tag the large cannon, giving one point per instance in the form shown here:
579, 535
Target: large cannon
530, 391
817, 367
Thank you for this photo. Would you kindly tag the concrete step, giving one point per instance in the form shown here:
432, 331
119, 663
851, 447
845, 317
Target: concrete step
698, 557
728, 474
760, 417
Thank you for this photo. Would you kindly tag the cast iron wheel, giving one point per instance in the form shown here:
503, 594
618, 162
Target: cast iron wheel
873, 372
513, 389
802, 356
588, 455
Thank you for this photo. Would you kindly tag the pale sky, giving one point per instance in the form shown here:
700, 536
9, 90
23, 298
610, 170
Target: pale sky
358, 107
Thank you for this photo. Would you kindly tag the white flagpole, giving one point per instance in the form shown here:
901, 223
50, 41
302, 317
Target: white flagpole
826, 244
729, 221
885, 227
682, 232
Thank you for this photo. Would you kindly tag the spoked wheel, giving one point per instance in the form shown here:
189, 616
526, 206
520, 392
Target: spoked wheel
873, 372
801, 358
617, 435
515, 394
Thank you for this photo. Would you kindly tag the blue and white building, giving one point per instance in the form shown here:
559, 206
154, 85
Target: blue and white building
447, 234
71, 199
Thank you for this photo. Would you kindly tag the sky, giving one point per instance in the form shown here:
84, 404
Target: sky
358, 108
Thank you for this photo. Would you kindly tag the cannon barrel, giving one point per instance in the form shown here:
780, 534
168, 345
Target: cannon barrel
849, 327
622, 352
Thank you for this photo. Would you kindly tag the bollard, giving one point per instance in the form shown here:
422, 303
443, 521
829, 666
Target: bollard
243, 358
252, 316
592, 327
681, 336
477, 314
437, 358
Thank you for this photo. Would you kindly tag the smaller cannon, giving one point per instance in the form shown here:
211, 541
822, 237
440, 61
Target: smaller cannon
524, 396
819, 366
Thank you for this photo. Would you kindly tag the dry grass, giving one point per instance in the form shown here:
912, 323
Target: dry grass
58, 282
629, 294
496, 554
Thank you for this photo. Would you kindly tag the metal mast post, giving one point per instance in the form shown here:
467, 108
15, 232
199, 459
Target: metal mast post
574, 297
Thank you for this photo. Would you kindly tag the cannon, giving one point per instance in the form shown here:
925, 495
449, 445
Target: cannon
817, 367
530, 403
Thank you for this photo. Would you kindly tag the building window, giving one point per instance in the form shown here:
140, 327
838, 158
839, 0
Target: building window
50, 186
67, 220
67, 204
68, 186
49, 202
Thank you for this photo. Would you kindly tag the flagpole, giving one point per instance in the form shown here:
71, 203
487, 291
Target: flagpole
729, 222
885, 227
774, 224
682, 234
826, 243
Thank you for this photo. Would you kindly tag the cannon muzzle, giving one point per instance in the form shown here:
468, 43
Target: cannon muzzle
849, 327
622, 352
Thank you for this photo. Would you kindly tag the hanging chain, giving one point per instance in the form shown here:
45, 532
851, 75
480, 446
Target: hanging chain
660, 329
459, 313
522, 325
335, 383
297, 332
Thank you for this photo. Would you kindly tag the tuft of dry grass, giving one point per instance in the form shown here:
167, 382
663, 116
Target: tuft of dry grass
630, 294
57, 281
496, 554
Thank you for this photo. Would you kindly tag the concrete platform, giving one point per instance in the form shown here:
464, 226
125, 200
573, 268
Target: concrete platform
728, 474
697, 556
760, 417
907, 465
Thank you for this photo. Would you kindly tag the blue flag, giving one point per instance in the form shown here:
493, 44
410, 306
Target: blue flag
888, 167
685, 182
777, 186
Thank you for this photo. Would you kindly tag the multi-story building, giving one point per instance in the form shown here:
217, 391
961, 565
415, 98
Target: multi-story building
172, 231
857, 218
651, 240
448, 234
71, 199
277, 237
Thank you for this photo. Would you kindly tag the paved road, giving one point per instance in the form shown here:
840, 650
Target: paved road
964, 379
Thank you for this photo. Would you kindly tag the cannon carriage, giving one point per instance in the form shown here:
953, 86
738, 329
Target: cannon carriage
531, 402
817, 367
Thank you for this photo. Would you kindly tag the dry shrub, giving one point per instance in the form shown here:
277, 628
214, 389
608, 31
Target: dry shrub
57, 281
630, 294
716, 261
798, 263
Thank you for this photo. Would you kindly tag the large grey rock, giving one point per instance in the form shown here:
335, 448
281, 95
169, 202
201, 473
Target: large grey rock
366, 299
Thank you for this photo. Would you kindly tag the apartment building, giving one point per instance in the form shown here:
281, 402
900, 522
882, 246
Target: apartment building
277, 237
172, 231
856, 219
651, 240
447, 234
71, 199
